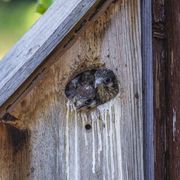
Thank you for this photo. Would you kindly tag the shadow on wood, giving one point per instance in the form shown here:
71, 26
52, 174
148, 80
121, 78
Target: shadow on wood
14, 150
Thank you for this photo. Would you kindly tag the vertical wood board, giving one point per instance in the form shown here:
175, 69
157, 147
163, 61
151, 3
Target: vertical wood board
160, 89
147, 78
58, 145
173, 89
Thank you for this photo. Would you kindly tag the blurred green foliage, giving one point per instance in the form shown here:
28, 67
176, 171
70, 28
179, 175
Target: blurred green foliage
16, 17
43, 5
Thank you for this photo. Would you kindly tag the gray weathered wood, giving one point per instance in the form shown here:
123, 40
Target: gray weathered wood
59, 25
148, 111
59, 147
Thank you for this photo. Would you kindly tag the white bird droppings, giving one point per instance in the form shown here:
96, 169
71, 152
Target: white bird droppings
104, 140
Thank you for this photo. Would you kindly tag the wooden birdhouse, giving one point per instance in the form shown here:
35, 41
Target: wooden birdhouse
42, 135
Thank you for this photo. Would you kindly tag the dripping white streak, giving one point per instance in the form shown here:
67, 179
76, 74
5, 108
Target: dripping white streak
111, 140
107, 142
58, 148
174, 124
103, 113
99, 140
93, 144
76, 148
104, 147
118, 141
67, 139
84, 119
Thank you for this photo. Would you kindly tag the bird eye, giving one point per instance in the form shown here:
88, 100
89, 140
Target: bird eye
89, 101
107, 80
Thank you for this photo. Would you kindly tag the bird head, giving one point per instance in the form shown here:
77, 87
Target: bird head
106, 85
104, 77
85, 98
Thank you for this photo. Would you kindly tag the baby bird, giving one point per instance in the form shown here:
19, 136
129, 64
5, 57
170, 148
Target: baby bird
106, 85
85, 98
81, 91
92, 88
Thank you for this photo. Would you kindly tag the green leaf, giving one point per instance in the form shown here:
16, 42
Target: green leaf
43, 5
41, 9
46, 3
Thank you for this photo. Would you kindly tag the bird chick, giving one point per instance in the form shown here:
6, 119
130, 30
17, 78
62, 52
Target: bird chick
71, 87
92, 88
106, 85
85, 97
81, 91
87, 77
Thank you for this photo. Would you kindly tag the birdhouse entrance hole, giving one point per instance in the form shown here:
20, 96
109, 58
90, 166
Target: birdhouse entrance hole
91, 88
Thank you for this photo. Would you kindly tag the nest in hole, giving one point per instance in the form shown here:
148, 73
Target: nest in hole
91, 88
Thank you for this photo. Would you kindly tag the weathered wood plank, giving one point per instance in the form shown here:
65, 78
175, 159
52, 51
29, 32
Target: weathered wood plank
60, 24
147, 66
160, 89
59, 146
173, 89
14, 150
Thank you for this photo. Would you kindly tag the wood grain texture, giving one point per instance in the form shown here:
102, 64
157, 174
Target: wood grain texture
147, 70
14, 152
173, 89
160, 89
59, 145
59, 25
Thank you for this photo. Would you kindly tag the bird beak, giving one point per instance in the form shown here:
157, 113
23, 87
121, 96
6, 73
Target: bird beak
98, 82
81, 108
79, 105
